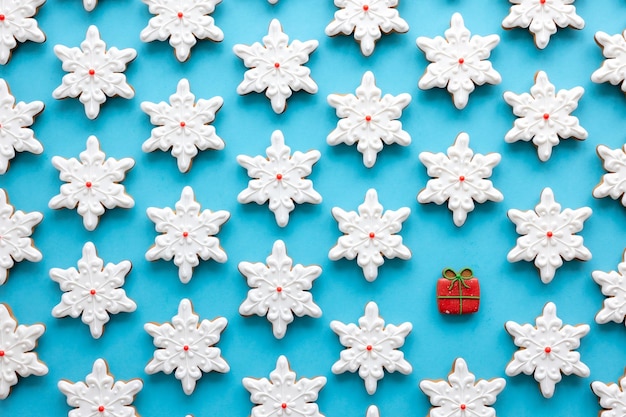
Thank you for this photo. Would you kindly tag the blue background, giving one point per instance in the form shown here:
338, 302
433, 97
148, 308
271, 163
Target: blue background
404, 290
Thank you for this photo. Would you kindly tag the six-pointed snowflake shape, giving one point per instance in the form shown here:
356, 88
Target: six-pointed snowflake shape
17, 25
279, 289
276, 67
94, 72
370, 234
458, 61
613, 285
100, 394
282, 395
612, 397
459, 178
541, 17
461, 395
613, 69
183, 21
89, 5
279, 178
548, 235
92, 184
370, 347
612, 184
188, 234
547, 349
187, 346
367, 19
183, 125
369, 119
16, 344
93, 291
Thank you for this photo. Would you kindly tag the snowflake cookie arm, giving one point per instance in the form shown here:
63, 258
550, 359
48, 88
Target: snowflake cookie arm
89, 5
613, 69
611, 396
18, 25
612, 184
613, 285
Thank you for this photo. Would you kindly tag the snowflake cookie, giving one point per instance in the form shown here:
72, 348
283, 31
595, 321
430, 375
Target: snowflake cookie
17, 25
612, 184
613, 69
613, 285
461, 395
369, 119
100, 394
183, 22
187, 346
370, 347
282, 394
183, 125
92, 184
458, 61
93, 291
276, 67
367, 19
94, 72
547, 350
279, 289
549, 235
16, 356
542, 17
612, 397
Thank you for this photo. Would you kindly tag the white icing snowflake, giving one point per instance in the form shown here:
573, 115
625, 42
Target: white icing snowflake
612, 397
459, 178
371, 347
369, 119
613, 69
183, 125
188, 234
279, 178
94, 72
461, 395
370, 234
548, 235
547, 350
93, 291
612, 184
183, 21
613, 285
282, 394
541, 17
17, 25
366, 18
92, 183
279, 289
90, 4
100, 394
276, 67
187, 347
16, 344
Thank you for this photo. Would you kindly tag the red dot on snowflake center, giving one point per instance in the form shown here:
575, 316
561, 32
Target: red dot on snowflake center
92, 72
279, 177
92, 292
276, 65
461, 61
283, 405
549, 234
180, 15
461, 178
88, 184
372, 235
2, 17
279, 289
369, 347
185, 234
366, 7
462, 406
101, 409
1, 353
185, 348
547, 349
183, 124
546, 116
542, 1
368, 118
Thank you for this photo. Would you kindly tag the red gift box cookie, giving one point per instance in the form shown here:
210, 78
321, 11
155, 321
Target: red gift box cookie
458, 293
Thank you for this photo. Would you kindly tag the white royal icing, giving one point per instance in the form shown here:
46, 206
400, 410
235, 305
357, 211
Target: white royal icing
94, 72
89, 5
17, 25
458, 62
613, 285
614, 50
276, 67
547, 350
370, 347
372, 411
612, 397
612, 184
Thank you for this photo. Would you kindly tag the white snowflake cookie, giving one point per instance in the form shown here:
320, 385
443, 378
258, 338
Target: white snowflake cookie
367, 19
611, 396
370, 347
183, 22
613, 69
542, 17
16, 356
460, 178
276, 67
94, 72
461, 395
183, 125
458, 61
549, 235
547, 350
282, 394
18, 25
93, 291
92, 184
613, 286
279, 289
369, 119
186, 346
612, 184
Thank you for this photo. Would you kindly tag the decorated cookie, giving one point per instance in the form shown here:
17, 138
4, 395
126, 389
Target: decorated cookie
186, 346
183, 125
614, 50
94, 72
611, 396
612, 184
549, 235
369, 119
370, 347
547, 350
367, 19
89, 5
613, 286
92, 184
458, 62
458, 292
276, 67
18, 25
